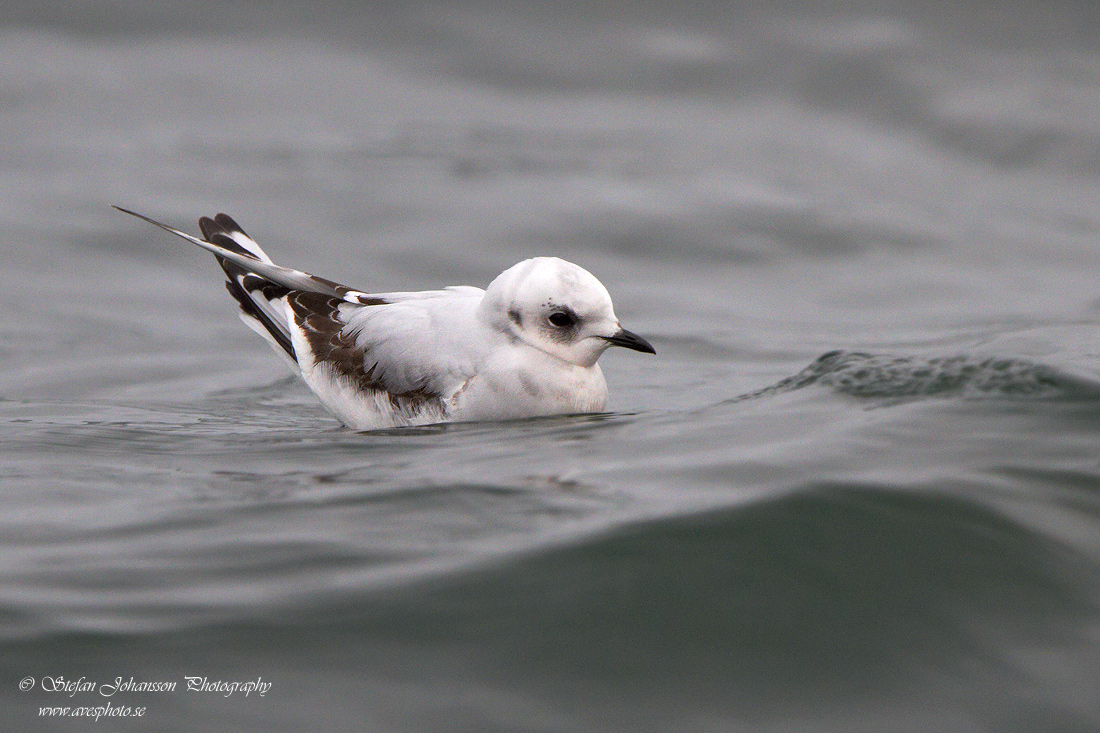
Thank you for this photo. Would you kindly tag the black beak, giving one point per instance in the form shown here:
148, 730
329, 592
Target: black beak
629, 340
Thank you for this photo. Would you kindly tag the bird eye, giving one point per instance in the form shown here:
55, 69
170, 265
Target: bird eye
561, 319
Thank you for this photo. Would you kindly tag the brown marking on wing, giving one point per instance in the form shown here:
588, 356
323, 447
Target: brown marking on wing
318, 317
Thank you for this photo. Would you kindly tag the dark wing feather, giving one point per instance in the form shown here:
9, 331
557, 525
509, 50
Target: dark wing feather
252, 292
263, 266
319, 319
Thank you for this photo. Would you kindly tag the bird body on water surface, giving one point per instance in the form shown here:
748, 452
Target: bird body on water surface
525, 346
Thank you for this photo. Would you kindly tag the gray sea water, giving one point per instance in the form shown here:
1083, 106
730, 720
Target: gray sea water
761, 535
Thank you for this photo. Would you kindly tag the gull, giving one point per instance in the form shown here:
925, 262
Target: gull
525, 346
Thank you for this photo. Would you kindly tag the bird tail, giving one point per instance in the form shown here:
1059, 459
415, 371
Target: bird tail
259, 286
262, 302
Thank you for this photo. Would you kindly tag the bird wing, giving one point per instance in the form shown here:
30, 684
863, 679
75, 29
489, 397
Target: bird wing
399, 361
397, 356
418, 348
252, 259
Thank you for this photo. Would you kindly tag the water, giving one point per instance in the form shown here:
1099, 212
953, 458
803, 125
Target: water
865, 548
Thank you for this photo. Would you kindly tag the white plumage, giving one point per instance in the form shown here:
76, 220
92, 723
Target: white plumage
525, 346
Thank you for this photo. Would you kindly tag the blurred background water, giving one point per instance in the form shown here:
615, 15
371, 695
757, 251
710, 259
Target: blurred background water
757, 185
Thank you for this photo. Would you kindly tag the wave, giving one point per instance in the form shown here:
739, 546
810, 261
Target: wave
858, 594
861, 374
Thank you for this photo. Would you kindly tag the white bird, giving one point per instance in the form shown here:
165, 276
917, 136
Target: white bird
525, 346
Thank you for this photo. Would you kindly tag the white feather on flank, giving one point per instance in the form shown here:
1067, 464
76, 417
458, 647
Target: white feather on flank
525, 346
